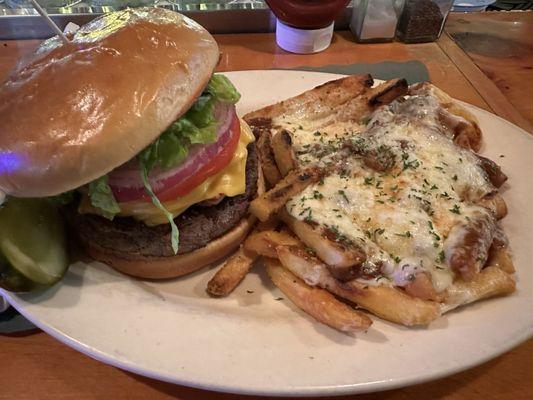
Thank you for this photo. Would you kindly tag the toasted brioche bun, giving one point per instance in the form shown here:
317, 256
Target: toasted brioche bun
181, 264
72, 113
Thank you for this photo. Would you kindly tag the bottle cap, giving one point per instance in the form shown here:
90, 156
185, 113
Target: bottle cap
303, 41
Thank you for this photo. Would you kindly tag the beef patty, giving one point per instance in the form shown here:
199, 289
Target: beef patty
128, 238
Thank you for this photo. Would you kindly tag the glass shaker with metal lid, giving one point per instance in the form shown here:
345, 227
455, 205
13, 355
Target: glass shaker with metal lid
423, 20
375, 20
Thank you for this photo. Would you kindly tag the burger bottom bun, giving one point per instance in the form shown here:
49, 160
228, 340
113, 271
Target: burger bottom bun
182, 264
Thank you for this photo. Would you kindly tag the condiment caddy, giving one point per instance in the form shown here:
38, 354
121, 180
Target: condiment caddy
411, 21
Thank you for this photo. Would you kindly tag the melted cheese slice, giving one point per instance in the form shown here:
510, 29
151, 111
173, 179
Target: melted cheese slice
402, 218
231, 181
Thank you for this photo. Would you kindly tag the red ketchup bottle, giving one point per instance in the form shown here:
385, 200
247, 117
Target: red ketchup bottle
305, 26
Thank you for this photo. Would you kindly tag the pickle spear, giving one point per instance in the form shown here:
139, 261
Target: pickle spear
33, 245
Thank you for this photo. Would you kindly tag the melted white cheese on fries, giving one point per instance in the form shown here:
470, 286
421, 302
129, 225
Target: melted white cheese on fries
401, 189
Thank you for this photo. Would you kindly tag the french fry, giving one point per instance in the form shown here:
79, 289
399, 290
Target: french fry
359, 107
323, 99
468, 244
385, 302
496, 204
386, 92
269, 225
492, 171
333, 253
421, 287
500, 257
467, 133
318, 303
490, 282
265, 243
236, 267
268, 162
283, 152
269, 203
232, 273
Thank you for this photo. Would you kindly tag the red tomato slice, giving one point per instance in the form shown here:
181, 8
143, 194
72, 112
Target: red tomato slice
202, 162
214, 166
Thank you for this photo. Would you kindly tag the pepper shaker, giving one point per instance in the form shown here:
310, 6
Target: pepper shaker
422, 20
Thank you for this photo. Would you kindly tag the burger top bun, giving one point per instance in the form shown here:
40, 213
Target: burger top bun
70, 113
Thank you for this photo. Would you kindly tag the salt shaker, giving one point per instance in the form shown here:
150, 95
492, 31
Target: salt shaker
375, 20
423, 20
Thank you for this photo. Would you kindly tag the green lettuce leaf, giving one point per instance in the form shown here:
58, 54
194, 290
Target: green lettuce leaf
221, 88
102, 197
172, 147
175, 234
63, 199
196, 126
201, 112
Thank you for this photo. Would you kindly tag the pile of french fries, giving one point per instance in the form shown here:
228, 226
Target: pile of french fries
312, 269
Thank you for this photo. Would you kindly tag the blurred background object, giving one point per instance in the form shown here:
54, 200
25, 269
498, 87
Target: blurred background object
18, 20
4, 305
53, 6
471, 5
508, 5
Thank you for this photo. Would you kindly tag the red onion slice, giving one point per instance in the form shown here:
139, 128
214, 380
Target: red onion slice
126, 183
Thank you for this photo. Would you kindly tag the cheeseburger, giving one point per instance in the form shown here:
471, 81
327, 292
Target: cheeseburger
130, 131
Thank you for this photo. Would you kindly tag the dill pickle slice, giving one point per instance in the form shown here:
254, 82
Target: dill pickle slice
33, 245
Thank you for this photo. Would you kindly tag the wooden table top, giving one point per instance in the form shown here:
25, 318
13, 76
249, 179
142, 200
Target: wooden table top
35, 366
501, 46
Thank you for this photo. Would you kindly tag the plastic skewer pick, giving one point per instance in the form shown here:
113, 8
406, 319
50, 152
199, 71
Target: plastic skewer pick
49, 21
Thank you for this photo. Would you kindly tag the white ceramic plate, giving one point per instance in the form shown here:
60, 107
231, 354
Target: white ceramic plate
253, 342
